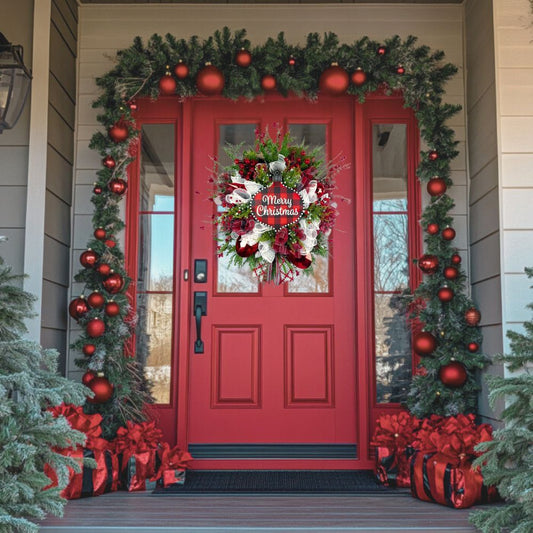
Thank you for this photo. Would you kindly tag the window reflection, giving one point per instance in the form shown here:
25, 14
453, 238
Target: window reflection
391, 266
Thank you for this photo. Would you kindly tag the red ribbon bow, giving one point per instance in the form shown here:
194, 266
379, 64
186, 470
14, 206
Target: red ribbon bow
395, 431
136, 439
171, 459
77, 419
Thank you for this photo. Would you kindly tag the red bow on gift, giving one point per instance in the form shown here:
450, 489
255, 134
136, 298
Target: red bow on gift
136, 439
395, 431
77, 419
171, 459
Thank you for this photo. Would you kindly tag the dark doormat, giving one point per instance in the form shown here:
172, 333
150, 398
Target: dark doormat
277, 482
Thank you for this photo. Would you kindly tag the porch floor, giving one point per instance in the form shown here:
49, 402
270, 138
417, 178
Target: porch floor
144, 513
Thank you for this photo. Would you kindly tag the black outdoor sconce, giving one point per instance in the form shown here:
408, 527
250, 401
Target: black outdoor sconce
15, 81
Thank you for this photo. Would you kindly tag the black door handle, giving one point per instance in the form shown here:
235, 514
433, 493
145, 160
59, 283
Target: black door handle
200, 310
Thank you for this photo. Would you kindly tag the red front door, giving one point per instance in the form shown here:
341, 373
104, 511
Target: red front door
275, 386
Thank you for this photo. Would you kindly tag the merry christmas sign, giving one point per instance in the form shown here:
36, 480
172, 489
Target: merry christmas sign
277, 206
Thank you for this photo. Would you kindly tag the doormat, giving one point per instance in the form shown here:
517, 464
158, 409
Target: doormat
276, 482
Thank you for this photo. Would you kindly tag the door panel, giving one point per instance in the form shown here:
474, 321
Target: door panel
279, 364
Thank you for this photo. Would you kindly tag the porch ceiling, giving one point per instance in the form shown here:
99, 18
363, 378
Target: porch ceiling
272, 1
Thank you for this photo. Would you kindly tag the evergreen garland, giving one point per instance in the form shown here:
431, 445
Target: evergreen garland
29, 384
395, 65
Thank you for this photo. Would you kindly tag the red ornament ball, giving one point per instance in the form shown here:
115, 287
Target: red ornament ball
428, 263
400, 70
445, 294
246, 250
114, 283
436, 186
181, 70
96, 299
302, 261
112, 308
473, 347
88, 377
118, 132
133, 105
433, 155
382, 50
110, 243
453, 374
89, 258
359, 77
104, 269
456, 259
268, 82
108, 162
97, 189
450, 272
210, 80
95, 327
100, 234
88, 349
448, 234
292, 61
117, 186
78, 307
334, 80
102, 388
424, 343
472, 316
243, 58
433, 228
167, 85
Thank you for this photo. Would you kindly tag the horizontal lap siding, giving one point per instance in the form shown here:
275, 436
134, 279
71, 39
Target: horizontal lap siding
59, 172
514, 76
105, 29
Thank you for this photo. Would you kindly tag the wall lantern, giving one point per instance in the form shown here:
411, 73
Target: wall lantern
15, 81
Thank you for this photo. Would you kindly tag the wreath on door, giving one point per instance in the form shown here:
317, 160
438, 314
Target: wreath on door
276, 207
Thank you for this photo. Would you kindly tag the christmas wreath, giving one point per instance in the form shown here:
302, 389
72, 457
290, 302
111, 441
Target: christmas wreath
276, 207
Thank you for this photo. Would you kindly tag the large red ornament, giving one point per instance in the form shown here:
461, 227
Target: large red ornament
96, 299
453, 374
424, 343
448, 234
302, 261
334, 80
119, 132
181, 70
243, 58
100, 234
117, 186
95, 327
359, 77
88, 349
473, 347
108, 162
445, 294
456, 259
210, 80
433, 228
450, 272
428, 263
89, 258
436, 186
103, 269
112, 308
246, 250
268, 82
433, 155
78, 307
103, 390
472, 316
114, 283
167, 85
88, 377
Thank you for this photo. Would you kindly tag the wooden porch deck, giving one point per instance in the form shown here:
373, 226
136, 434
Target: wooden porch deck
144, 513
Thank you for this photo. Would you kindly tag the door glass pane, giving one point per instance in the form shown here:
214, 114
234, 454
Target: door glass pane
393, 350
389, 164
156, 252
313, 136
157, 167
230, 278
154, 341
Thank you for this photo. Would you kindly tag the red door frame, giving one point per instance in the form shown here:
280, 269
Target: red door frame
377, 109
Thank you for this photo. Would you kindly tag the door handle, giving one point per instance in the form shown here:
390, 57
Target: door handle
200, 310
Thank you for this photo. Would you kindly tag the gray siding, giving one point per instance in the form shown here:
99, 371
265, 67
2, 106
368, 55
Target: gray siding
60, 159
17, 26
484, 220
